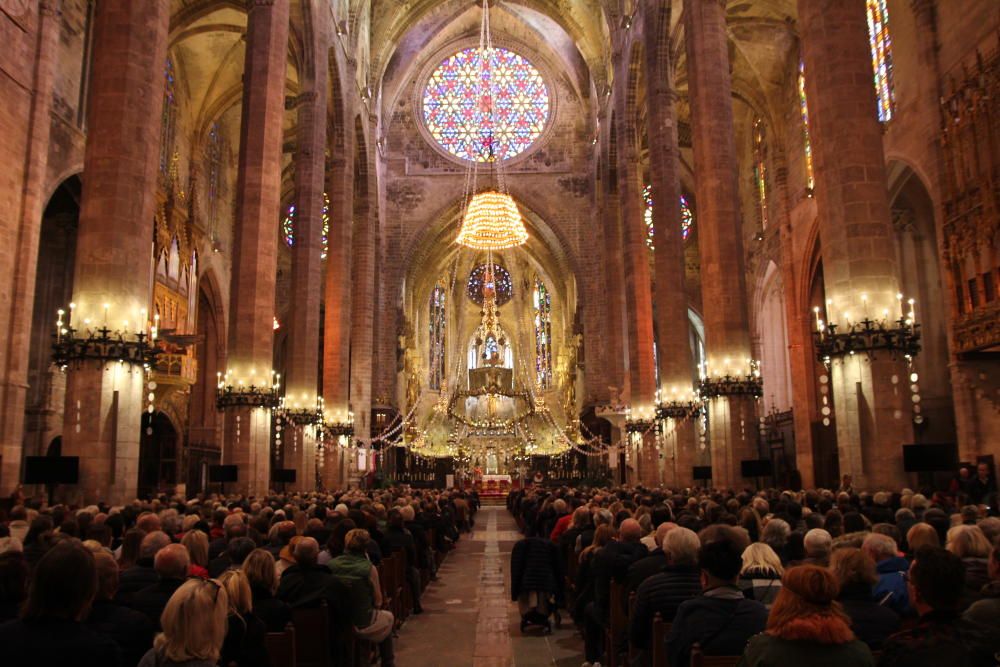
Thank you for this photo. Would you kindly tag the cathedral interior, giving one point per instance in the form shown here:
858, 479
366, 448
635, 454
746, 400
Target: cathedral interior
748, 239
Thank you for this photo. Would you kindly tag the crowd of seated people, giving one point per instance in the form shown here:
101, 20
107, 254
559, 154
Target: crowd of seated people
202, 582
656, 577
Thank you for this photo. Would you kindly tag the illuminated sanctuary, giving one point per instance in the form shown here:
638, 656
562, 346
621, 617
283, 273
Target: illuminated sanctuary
319, 244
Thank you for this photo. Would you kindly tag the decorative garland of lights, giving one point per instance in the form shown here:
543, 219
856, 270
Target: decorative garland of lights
104, 345
236, 395
867, 336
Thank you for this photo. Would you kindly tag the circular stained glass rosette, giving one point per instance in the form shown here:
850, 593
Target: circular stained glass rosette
504, 287
484, 111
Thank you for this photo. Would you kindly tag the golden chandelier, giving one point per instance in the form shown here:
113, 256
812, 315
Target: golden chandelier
492, 222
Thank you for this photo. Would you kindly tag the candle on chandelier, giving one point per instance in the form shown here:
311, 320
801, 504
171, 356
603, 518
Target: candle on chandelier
864, 304
899, 300
72, 307
829, 310
913, 310
107, 306
819, 322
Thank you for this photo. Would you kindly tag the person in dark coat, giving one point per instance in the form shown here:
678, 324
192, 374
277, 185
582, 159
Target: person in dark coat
13, 584
50, 630
941, 636
536, 577
398, 539
721, 620
129, 629
244, 643
234, 555
983, 488
664, 592
871, 622
259, 568
171, 565
305, 582
142, 574
610, 563
649, 565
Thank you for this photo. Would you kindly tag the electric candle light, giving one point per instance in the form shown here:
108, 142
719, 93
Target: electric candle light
107, 306
899, 300
864, 304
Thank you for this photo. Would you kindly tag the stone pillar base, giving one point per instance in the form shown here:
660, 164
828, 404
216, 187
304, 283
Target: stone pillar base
103, 426
248, 447
733, 438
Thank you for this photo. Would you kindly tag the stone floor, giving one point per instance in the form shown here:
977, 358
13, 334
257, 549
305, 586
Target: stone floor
469, 620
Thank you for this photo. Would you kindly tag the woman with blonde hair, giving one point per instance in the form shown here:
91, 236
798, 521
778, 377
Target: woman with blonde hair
760, 577
194, 627
807, 626
969, 544
244, 643
259, 568
196, 542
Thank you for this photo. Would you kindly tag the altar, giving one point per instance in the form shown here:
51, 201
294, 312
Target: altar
493, 484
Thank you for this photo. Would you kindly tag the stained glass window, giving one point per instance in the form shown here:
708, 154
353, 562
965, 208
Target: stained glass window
687, 216
288, 226
169, 124
804, 109
760, 168
213, 159
504, 286
542, 302
878, 35
437, 323
482, 108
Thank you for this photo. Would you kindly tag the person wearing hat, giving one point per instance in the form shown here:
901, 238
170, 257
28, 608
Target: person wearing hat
807, 626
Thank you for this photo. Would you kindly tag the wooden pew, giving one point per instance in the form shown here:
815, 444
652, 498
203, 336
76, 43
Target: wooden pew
281, 647
312, 637
699, 659
661, 630
617, 623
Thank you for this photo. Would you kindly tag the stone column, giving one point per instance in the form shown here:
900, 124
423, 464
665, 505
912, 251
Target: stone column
362, 298
673, 331
856, 236
337, 313
258, 198
733, 427
638, 287
614, 273
18, 319
112, 278
302, 371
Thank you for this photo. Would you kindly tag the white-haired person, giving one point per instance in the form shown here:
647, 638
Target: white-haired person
194, 627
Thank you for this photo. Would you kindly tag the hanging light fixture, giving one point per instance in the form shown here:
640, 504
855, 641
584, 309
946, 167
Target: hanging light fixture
491, 220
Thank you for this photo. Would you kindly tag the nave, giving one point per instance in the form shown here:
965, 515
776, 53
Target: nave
469, 619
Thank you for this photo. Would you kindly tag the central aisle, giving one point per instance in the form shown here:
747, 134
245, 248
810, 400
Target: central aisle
469, 620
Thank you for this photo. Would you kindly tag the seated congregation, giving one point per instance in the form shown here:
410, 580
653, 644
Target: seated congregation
282, 581
658, 578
